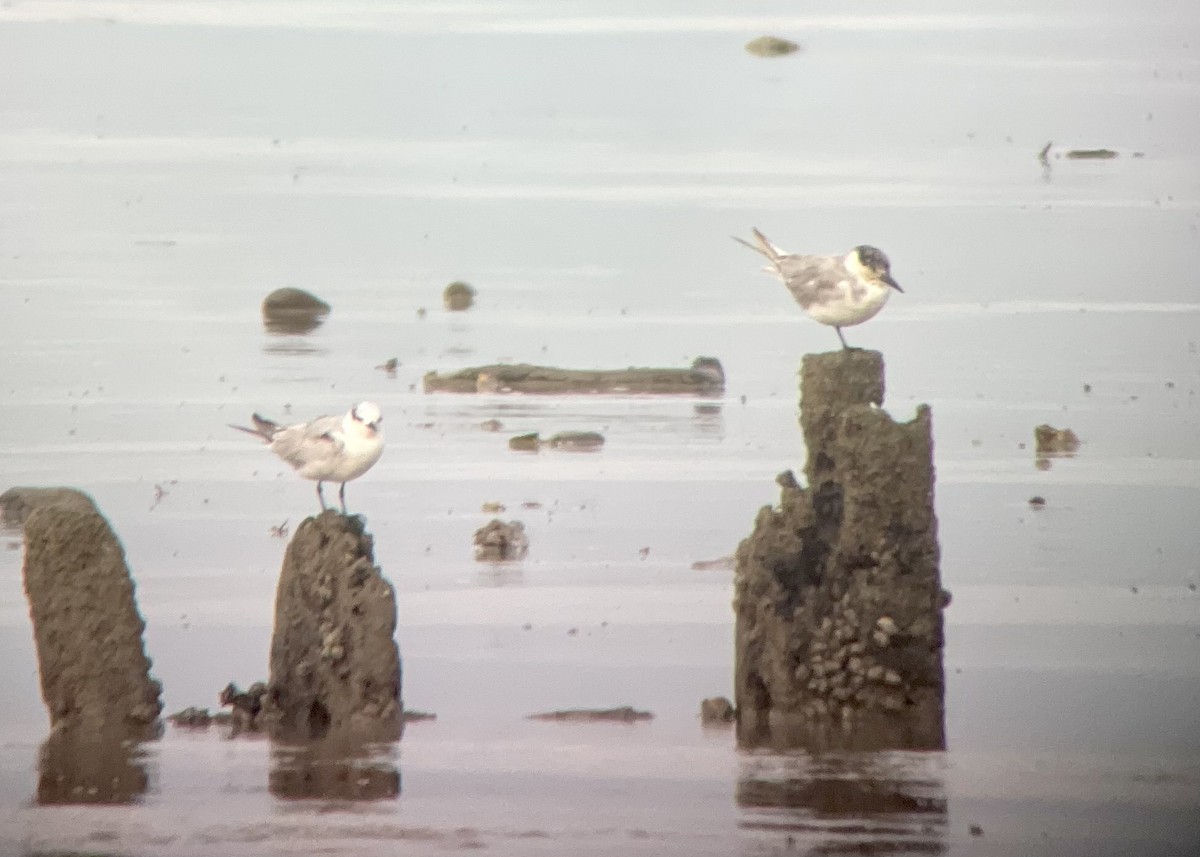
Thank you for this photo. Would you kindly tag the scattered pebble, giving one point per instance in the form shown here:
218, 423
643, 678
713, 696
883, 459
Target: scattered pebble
458, 296
716, 709
771, 46
497, 541
975, 830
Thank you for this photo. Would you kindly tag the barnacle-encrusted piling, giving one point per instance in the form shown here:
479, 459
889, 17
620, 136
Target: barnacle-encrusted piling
838, 593
335, 667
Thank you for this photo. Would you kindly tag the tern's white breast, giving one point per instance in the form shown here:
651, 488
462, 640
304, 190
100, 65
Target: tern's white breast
854, 302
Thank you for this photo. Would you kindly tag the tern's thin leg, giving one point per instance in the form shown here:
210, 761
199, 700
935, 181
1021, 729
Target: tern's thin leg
839, 333
342, 497
321, 497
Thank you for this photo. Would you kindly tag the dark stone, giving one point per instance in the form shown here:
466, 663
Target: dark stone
191, 718
245, 706
293, 311
1053, 441
576, 440
525, 442
458, 296
716, 709
335, 668
771, 46
94, 671
837, 591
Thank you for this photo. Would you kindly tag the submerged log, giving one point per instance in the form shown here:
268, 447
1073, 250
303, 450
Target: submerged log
94, 672
335, 667
838, 592
705, 377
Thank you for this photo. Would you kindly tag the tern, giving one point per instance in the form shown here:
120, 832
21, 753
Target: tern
327, 449
840, 291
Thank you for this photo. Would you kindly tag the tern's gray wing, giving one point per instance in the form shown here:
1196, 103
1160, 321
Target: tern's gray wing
306, 443
811, 279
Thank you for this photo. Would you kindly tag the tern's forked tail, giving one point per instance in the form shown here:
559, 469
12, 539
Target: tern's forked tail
263, 428
763, 246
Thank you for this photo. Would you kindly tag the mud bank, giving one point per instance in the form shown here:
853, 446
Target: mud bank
837, 591
92, 664
335, 667
704, 377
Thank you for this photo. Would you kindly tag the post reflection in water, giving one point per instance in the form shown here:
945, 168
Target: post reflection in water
708, 418
335, 769
287, 330
91, 769
868, 803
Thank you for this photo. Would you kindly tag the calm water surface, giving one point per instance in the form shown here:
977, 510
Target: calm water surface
164, 165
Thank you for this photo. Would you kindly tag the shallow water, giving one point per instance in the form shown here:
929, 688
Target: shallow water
165, 165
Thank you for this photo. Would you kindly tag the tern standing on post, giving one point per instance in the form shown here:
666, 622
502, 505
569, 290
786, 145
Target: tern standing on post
836, 290
327, 449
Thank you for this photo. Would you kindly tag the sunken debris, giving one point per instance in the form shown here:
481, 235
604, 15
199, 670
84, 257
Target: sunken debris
705, 377
623, 714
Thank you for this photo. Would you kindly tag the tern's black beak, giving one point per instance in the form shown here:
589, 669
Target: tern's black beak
887, 278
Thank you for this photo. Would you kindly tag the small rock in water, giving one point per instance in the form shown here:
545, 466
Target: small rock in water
497, 541
580, 441
458, 296
293, 311
1091, 154
491, 425
975, 830
771, 46
525, 442
1054, 441
390, 365
246, 705
716, 709
1037, 501
492, 507
191, 718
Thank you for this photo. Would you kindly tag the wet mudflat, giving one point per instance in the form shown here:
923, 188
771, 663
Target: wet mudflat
165, 166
